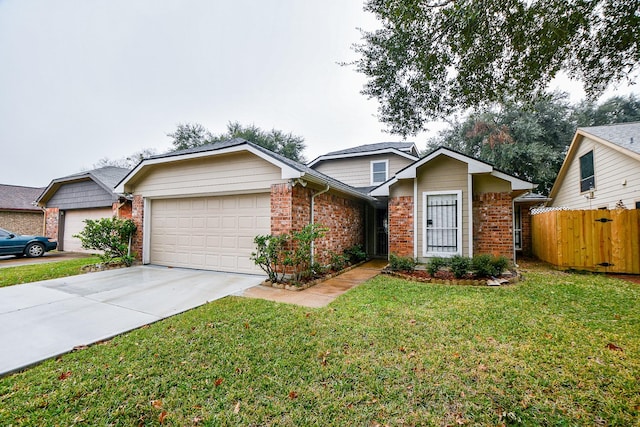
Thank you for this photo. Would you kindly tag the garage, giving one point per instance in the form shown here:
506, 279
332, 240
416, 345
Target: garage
210, 233
73, 223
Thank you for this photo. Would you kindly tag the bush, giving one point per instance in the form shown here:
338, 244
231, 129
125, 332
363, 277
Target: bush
485, 265
338, 261
270, 255
435, 264
459, 265
355, 254
111, 236
400, 263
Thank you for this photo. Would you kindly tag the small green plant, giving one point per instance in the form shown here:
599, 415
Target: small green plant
459, 265
435, 264
270, 255
485, 265
500, 264
338, 261
401, 263
112, 236
355, 254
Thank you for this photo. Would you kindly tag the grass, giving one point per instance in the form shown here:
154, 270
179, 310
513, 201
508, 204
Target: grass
50, 270
558, 349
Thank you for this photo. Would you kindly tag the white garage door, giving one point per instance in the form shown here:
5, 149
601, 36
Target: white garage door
73, 224
210, 233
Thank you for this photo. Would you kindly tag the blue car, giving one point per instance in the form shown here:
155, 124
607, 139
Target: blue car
31, 246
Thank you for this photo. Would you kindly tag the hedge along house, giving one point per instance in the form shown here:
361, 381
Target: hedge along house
70, 200
448, 204
202, 207
18, 212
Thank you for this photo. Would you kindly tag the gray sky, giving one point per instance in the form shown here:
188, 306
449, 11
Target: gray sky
85, 79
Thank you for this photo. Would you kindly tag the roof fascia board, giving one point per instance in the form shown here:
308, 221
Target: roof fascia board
383, 189
362, 154
287, 172
516, 183
474, 166
342, 188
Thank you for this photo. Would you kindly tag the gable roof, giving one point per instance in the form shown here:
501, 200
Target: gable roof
19, 198
404, 149
622, 137
106, 177
475, 166
290, 169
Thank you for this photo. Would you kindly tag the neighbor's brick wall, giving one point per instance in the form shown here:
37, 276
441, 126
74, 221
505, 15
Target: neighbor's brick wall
401, 226
291, 211
51, 217
493, 224
27, 223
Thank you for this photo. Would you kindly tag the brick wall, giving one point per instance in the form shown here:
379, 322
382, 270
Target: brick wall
291, 211
27, 223
401, 226
137, 215
493, 224
51, 217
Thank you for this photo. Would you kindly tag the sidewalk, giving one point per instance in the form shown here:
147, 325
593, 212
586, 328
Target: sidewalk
322, 294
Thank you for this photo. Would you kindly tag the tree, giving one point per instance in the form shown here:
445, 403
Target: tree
527, 140
435, 57
285, 144
128, 161
618, 109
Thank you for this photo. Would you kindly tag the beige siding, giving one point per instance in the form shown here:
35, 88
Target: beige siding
440, 174
617, 177
356, 171
490, 184
402, 188
232, 173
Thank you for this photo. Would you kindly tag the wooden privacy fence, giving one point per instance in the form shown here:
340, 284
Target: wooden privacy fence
595, 240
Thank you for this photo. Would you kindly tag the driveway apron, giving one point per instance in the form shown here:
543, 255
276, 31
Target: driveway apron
44, 319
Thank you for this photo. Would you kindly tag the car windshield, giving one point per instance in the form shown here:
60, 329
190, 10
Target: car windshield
4, 233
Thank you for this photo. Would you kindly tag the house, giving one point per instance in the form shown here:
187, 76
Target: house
601, 169
69, 200
449, 204
202, 207
18, 212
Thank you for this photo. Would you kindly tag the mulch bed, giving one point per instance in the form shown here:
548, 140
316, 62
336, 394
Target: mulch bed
447, 278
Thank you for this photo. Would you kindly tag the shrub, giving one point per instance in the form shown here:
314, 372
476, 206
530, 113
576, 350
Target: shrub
400, 263
338, 261
112, 236
485, 265
355, 254
270, 255
500, 264
459, 265
435, 264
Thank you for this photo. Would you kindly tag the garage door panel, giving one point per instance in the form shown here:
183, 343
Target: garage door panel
214, 233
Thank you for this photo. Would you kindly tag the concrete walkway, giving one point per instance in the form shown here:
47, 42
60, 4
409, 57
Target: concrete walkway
41, 320
323, 293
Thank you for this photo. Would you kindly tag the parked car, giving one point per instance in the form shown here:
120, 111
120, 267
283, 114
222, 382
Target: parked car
31, 246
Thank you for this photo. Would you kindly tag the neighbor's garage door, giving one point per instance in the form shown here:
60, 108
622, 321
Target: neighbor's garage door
73, 224
211, 233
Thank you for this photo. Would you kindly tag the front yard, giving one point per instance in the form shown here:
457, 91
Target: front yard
556, 349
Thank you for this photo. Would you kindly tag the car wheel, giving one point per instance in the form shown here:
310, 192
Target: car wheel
34, 250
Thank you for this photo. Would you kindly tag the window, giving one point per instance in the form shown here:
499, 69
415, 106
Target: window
587, 179
379, 171
442, 217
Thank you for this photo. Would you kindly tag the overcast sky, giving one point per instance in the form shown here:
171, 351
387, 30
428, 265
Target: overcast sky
81, 80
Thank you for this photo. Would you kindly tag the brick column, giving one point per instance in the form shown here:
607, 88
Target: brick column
137, 215
493, 224
401, 226
51, 222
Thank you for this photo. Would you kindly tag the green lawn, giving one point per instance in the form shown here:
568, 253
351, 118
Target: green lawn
557, 349
44, 271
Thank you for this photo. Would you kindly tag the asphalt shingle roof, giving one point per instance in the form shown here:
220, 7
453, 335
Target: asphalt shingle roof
15, 197
626, 135
402, 146
107, 175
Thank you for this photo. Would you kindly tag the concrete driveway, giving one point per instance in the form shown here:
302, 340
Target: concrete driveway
44, 319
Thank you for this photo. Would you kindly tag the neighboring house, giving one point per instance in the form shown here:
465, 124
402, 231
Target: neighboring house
601, 169
365, 167
18, 212
448, 204
202, 207
69, 200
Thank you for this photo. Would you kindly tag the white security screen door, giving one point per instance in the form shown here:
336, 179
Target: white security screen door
442, 224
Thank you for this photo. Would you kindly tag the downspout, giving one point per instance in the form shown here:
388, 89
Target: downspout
313, 198
513, 231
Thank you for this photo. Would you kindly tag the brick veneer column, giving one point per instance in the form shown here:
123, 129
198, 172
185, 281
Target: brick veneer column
137, 215
401, 226
51, 222
493, 224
